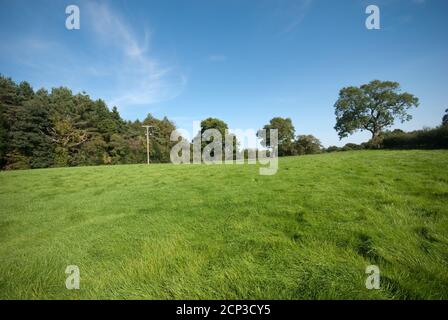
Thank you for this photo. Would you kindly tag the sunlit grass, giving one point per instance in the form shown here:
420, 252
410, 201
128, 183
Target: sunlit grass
225, 232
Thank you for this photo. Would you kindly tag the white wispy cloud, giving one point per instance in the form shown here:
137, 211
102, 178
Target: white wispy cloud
140, 79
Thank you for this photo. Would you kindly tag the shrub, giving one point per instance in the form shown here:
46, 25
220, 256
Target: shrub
436, 138
332, 149
352, 146
307, 144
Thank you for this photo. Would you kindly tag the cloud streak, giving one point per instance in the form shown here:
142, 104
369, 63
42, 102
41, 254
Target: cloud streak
140, 79
294, 12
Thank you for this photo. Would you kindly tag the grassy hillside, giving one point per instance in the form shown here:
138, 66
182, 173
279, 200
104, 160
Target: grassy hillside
165, 231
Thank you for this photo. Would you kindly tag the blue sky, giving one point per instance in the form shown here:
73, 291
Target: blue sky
242, 61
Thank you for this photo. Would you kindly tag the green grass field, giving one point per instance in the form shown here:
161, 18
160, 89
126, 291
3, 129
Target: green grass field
225, 232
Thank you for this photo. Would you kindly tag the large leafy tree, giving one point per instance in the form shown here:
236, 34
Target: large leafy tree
445, 118
372, 107
285, 135
214, 123
223, 128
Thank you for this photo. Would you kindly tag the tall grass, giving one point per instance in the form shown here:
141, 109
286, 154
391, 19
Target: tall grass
225, 232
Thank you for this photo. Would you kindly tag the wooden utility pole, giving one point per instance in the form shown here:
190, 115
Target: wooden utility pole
147, 142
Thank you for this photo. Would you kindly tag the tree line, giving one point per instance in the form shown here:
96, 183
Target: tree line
56, 129
40, 129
